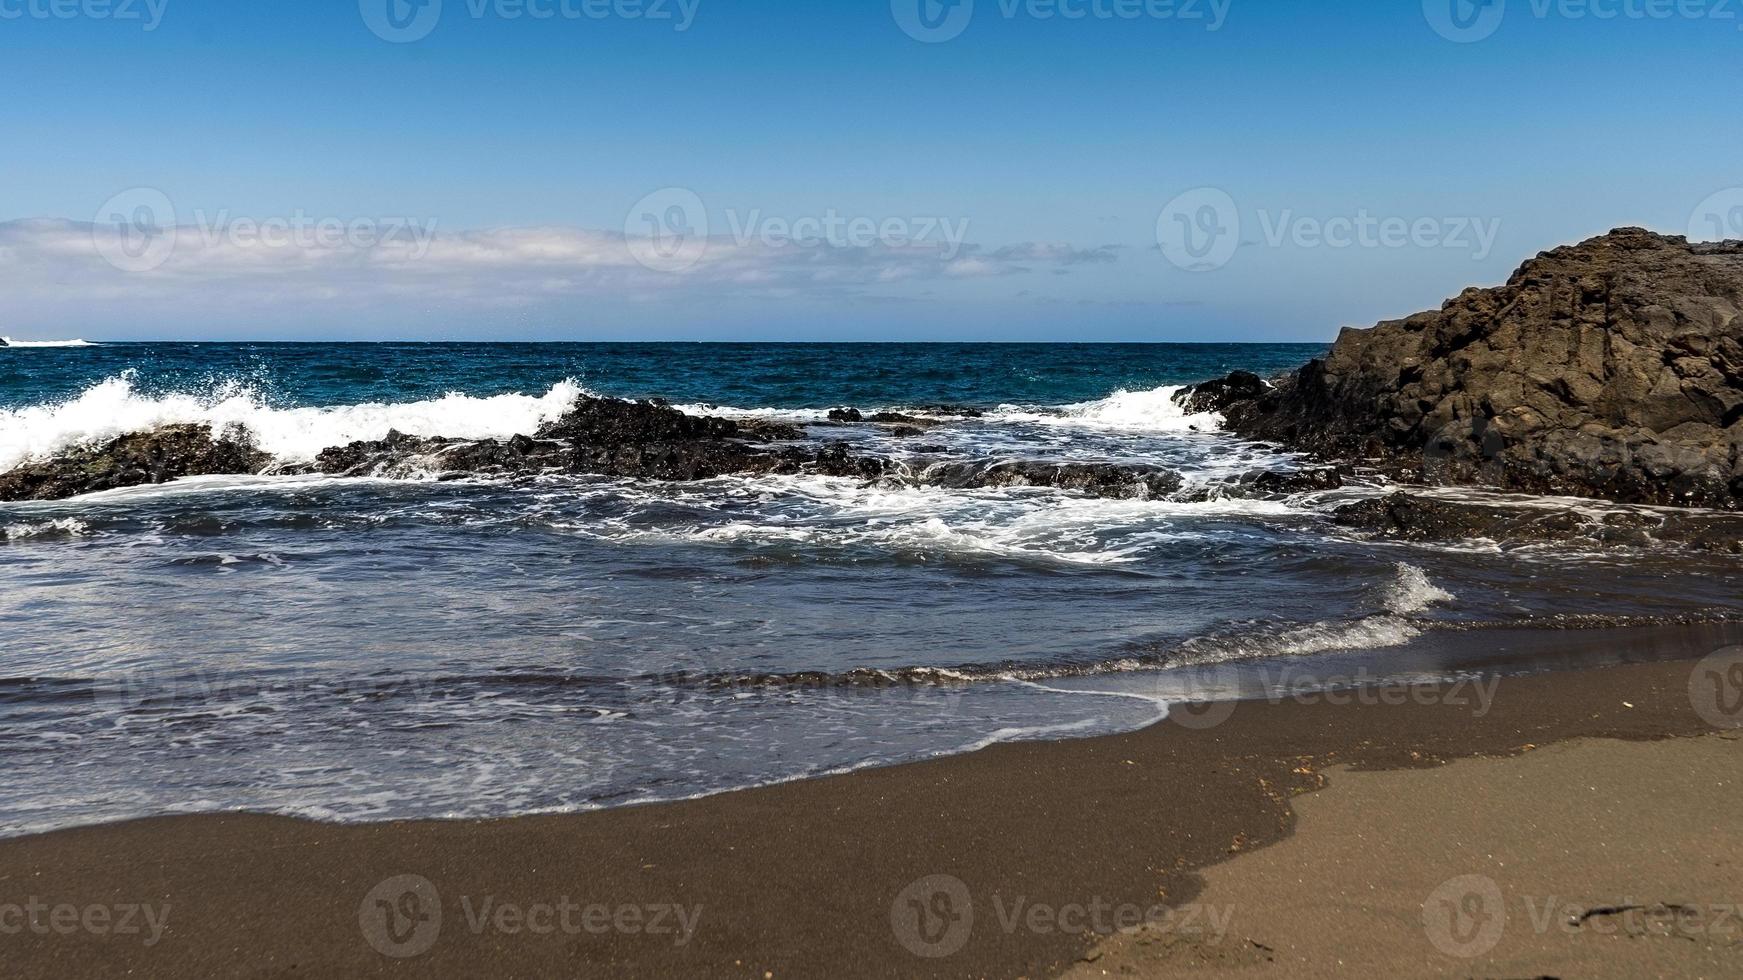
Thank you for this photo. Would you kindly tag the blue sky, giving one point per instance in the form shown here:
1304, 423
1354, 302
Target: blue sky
529, 148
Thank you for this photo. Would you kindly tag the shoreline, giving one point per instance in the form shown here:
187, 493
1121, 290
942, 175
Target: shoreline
802, 878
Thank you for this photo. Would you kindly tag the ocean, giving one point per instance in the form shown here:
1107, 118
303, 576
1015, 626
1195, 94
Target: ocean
365, 649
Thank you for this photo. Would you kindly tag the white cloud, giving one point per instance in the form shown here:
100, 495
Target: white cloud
241, 265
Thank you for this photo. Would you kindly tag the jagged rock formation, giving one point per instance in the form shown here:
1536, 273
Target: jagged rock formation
1612, 368
134, 460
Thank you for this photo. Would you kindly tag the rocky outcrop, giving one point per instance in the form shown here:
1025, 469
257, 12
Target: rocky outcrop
136, 459
1612, 369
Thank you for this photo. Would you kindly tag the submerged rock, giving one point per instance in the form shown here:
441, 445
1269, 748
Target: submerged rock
1270, 484
1413, 517
136, 459
902, 422
1612, 369
1117, 480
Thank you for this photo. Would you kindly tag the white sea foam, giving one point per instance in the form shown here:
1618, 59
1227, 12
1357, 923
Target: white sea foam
1411, 592
115, 407
1127, 411
798, 416
1029, 524
9, 342
64, 526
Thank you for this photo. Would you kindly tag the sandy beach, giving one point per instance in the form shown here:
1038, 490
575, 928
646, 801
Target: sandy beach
1184, 847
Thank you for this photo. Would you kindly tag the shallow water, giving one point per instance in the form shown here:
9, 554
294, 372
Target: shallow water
364, 649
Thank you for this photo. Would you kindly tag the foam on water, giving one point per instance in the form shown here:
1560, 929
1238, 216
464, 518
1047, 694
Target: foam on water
1128, 411
115, 407
833, 513
10, 343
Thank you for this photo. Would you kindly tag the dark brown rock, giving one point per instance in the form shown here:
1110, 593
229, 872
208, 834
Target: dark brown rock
136, 459
1218, 394
1612, 368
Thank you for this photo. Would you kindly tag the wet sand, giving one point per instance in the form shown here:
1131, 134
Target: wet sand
1013, 861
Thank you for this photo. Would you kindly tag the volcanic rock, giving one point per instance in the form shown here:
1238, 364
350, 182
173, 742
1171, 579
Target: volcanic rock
1612, 369
135, 459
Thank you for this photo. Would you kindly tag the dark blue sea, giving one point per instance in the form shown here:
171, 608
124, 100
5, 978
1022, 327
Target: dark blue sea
364, 648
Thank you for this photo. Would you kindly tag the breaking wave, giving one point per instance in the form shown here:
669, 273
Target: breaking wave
9, 342
1127, 411
115, 406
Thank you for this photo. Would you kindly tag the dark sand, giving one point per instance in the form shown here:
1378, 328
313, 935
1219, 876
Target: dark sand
799, 880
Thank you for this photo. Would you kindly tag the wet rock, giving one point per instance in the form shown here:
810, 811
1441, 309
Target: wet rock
960, 411
1270, 484
1217, 395
1413, 517
766, 430
613, 422
400, 455
136, 459
1612, 369
1117, 480
848, 416
836, 460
